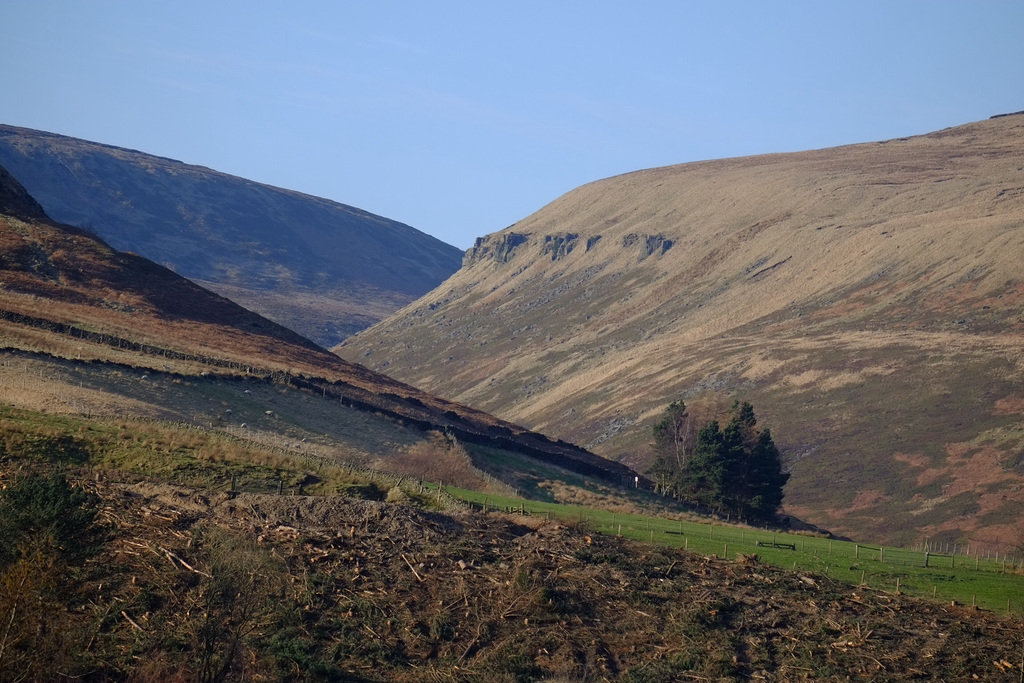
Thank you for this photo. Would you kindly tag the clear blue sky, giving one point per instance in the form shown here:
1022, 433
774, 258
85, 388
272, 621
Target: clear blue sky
460, 118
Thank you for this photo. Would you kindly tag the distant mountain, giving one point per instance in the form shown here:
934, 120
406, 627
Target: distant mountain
321, 268
867, 299
112, 333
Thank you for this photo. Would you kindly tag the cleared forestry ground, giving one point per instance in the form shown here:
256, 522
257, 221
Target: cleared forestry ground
986, 581
370, 577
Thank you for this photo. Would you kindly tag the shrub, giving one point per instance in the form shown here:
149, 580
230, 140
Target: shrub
397, 495
235, 600
46, 511
46, 527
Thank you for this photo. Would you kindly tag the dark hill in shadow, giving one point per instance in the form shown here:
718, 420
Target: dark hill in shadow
322, 268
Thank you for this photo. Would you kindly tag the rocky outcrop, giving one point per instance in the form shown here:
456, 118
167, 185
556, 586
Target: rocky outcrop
498, 247
649, 244
559, 246
501, 246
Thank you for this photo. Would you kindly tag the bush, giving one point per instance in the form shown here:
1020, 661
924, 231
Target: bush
46, 527
48, 512
235, 598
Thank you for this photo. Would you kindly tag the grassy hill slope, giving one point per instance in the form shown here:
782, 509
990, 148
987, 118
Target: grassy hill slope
866, 299
87, 329
319, 267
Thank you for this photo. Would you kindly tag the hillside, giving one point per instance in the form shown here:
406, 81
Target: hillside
866, 299
321, 268
186, 583
86, 329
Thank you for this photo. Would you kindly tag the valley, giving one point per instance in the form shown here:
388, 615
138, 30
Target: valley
234, 502
867, 299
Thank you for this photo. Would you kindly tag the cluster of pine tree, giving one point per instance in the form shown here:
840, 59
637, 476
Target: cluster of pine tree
736, 470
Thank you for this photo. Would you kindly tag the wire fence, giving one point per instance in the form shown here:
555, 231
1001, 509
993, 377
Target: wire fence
979, 581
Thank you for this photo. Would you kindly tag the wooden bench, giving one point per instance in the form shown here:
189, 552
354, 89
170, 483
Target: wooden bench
771, 544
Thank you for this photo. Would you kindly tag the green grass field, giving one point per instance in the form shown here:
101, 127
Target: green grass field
991, 584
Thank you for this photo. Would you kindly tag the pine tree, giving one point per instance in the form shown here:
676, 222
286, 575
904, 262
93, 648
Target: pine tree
767, 478
703, 479
755, 480
745, 414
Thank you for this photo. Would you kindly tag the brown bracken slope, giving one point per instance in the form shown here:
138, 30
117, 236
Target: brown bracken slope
69, 301
868, 300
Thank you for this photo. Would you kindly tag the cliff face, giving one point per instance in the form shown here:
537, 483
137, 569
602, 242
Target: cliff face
323, 268
867, 299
